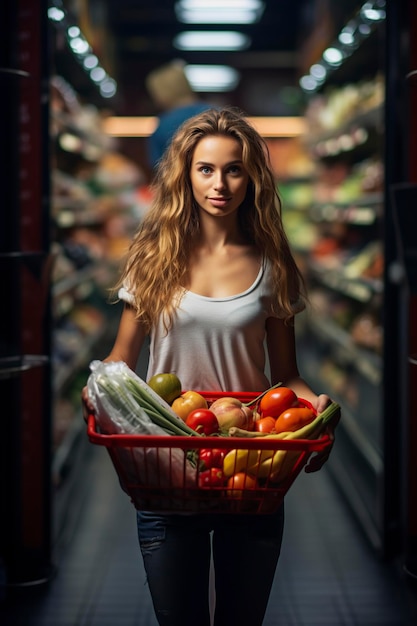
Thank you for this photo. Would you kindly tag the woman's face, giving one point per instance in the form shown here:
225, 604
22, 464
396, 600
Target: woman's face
218, 178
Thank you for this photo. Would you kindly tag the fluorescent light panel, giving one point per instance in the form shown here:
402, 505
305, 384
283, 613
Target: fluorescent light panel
219, 12
217, 78
211, 40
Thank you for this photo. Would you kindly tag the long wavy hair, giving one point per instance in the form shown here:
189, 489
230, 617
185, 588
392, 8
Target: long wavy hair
157, 261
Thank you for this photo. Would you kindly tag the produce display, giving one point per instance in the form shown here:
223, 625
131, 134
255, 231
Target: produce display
227, 452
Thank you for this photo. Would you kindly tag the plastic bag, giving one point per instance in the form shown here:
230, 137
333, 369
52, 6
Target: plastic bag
145, 473
132, 419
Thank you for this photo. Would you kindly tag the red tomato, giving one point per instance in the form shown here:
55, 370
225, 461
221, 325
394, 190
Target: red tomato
203, 421
265, 424
293, 419
239, 482
276, 401
212, 457
212, 477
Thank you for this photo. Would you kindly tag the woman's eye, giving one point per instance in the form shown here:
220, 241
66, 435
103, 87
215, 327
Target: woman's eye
205, 169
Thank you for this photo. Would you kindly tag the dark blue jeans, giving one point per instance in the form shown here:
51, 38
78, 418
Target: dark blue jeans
177, 549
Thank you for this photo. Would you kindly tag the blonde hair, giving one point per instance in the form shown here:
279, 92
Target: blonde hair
157, 261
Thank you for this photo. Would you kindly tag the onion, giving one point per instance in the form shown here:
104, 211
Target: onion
232, 412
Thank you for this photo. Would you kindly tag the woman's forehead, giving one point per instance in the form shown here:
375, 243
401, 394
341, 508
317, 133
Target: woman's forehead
217, 147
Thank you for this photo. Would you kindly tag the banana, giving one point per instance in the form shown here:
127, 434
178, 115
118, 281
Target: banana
276, 465
248, 461
284, 460
239, 461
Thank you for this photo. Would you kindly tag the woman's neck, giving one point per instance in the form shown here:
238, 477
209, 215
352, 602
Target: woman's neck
217, 233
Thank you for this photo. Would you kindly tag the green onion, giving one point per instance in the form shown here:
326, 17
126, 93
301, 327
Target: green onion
128, 396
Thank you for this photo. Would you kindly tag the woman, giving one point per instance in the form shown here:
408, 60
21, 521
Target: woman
211, 279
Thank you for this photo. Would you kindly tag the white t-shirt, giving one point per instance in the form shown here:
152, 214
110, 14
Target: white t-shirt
216, 344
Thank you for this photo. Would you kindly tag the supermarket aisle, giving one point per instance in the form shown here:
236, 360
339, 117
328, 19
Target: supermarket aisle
327, 575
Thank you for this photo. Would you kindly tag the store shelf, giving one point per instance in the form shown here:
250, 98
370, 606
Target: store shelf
75, 281
363, 211
364, 361
92, 211
343, 338
70, 136
359, 289
64, 374
332, 141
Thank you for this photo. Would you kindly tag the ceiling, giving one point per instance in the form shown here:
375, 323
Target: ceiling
132, 37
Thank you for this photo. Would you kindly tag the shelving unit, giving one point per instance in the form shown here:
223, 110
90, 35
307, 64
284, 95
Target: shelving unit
93, 215
342, 338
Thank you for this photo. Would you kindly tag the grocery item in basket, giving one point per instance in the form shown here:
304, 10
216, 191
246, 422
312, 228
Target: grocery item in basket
232, 412
122, 398
168, 386
117, 411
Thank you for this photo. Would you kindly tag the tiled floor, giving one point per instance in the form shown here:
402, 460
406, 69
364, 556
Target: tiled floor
327, 575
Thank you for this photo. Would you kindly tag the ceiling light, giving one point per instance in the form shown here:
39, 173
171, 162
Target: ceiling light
208, 16
218, 5
74, 31
219, 12
214, 78
308, 83
346, 38
318, 71
108, 88
90, 61
333, 56
81, 50
97, 74
55, 14
79, 45
211, 40
365, 30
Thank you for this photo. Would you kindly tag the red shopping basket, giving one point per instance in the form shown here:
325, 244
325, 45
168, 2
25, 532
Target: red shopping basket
163, 473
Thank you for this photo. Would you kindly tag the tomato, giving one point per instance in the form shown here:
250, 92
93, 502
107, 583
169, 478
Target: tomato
238, 483
265, 424
212, 457
167, 386
212, 477
187, 402
203, 421
275, 401
294, 418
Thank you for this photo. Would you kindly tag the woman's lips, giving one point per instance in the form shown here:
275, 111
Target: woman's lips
219, 202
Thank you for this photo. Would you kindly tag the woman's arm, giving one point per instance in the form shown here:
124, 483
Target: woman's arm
283, 363
129, 339
127, 346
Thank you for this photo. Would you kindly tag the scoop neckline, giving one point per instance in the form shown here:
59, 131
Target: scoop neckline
233, 297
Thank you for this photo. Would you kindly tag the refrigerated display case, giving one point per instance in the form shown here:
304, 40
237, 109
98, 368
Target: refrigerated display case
93, 215
358, 340
343, 338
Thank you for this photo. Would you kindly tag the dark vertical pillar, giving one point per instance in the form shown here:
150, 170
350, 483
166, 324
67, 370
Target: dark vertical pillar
401, 158
395, 164
25, 377
411, 529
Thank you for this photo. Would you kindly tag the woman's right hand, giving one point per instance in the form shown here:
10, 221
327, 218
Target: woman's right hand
87, 404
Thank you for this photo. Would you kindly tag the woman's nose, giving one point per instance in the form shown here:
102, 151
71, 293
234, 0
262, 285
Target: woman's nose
219, 182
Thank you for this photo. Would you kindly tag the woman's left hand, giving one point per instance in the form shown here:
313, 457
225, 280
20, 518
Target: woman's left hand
318, 460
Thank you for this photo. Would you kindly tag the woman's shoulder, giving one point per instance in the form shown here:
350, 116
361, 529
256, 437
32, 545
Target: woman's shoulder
270, 289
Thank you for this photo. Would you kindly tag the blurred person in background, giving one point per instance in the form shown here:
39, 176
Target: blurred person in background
173, 96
